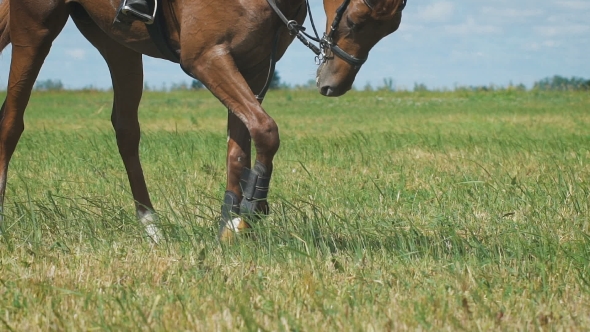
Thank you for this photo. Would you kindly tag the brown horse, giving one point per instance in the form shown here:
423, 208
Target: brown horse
227, 45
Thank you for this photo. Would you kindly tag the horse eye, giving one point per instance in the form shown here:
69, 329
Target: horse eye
350, 24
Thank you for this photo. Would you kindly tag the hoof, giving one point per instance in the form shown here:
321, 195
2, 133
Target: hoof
149, 219
153, 233
229, 230
232, 223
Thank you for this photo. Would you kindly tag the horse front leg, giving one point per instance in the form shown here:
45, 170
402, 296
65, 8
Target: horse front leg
247, 188
238, 158
238, 166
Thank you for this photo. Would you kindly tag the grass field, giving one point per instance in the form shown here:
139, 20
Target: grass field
390, 211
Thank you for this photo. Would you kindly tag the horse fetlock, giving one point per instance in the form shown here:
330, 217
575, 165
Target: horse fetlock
255, 183
231, 222
237, 215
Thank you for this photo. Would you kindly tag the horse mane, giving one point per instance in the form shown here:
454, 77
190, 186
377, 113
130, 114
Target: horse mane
4, 24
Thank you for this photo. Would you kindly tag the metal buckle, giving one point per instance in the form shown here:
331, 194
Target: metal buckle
126, 10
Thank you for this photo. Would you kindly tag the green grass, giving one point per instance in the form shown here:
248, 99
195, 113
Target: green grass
390, 211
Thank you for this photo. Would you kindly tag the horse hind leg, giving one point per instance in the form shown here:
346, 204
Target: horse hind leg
126, 69
33, 27
238, 159
127, 75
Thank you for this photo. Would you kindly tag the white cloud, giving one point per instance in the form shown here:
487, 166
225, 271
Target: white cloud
511, 13
537, 46
576, 5
467, 56
471, 27
76, 53
437, 12
560, 30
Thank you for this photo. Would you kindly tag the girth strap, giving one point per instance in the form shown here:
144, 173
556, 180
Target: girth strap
156, 27
160, 36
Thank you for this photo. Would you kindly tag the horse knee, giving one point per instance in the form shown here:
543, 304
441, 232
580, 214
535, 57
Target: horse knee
266, 137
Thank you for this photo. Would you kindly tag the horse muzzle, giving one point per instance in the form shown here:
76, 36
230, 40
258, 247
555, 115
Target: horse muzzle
334, 80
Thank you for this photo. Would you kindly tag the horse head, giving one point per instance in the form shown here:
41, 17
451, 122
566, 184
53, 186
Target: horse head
353, 28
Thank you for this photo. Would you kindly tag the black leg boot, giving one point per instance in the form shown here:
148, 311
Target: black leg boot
231, 223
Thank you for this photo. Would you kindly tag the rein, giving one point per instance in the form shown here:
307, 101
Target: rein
326, 42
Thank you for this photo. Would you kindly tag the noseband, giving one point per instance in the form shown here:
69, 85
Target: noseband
326, 42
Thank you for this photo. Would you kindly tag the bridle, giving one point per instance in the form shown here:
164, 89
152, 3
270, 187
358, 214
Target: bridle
326, 42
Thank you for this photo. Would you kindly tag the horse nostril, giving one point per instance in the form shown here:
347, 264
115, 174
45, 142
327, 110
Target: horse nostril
326, 90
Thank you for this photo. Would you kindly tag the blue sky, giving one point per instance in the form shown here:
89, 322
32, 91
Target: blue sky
440, 43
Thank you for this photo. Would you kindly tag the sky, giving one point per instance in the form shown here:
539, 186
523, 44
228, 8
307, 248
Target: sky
440, 43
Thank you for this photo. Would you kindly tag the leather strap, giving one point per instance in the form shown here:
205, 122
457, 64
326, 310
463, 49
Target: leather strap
160, 36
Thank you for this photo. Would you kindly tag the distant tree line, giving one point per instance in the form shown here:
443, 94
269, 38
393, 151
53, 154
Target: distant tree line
555, 83
49, 85
560, 83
